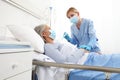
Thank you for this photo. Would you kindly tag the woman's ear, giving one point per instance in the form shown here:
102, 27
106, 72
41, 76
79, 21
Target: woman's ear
43, 34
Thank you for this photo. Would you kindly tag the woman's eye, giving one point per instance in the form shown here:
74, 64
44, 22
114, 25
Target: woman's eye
72, 15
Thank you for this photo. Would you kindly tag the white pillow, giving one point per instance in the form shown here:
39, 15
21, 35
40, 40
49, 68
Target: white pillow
25, 33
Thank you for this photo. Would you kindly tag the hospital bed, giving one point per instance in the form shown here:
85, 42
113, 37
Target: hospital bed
69, 74
72, 74
45, 63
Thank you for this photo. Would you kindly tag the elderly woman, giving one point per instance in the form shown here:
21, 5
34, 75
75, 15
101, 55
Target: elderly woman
66, 53
57, 51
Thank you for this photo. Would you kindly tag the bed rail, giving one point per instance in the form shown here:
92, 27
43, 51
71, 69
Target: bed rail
77, 66
106, 70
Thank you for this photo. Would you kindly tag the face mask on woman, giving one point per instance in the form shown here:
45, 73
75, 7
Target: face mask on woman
52, 34
74, 19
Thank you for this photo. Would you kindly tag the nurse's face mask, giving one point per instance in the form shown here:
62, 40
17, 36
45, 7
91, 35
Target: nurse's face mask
74, 19
52, 34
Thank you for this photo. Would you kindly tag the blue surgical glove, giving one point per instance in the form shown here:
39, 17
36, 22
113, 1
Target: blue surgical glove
67, 37
86, 47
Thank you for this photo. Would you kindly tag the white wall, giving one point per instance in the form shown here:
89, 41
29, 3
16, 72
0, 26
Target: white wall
12, 15
104, 13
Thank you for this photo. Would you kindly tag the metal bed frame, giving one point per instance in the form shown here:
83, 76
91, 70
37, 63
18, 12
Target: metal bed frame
106, 70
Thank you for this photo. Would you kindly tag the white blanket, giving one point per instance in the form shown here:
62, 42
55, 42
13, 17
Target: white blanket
48, 73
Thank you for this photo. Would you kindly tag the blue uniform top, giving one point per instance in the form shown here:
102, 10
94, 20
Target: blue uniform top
86, 35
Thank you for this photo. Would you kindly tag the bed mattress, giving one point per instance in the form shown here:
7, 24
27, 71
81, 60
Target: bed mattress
14, 47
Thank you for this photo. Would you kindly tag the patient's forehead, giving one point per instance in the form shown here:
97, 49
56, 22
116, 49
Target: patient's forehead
47, 28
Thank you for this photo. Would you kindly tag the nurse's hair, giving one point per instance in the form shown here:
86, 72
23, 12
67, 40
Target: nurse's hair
71, 9
39, 29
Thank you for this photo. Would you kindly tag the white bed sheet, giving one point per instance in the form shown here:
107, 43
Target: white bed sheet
48, 73
52, 73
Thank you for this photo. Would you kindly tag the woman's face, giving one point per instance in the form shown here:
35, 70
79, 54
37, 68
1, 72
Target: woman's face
71, 14
74, 17
46, 32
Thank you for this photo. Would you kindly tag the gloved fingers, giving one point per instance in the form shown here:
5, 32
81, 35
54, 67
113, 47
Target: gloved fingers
83, 46
67, 37
88, 48
65, 34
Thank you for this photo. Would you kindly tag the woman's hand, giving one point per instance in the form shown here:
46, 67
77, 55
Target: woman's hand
84, 50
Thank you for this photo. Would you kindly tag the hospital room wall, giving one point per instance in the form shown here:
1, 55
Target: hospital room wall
10, 15
104, 13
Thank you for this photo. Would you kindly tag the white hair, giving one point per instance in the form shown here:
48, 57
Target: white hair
40, 28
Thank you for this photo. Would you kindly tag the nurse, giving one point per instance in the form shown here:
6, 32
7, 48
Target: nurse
82, 32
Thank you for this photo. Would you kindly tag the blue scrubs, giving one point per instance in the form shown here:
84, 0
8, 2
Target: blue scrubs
85, 35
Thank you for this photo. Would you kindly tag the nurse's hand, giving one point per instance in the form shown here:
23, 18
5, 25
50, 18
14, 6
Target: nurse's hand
86, 47
66, 36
